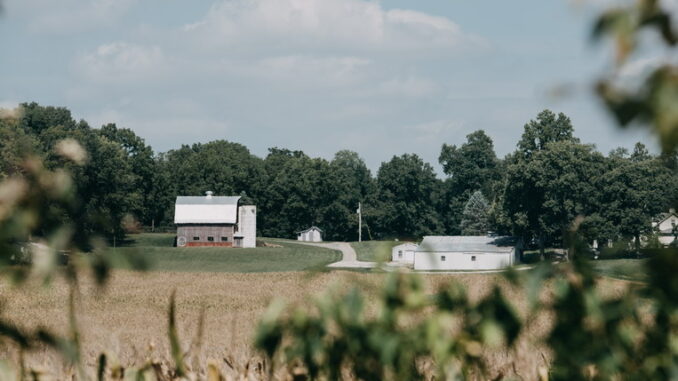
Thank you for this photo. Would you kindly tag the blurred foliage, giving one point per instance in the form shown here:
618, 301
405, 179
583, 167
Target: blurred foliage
400, 338
652, 101
46, 229
409, 334
45, 232
632, 336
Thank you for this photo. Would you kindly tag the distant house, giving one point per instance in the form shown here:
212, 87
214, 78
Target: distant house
214, 221
403, 253
666, 225
312, 234
465, 253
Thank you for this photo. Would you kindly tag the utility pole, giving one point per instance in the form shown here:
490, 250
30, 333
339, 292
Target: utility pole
360, 224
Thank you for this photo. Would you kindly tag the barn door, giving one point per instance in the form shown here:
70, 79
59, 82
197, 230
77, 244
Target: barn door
237, 241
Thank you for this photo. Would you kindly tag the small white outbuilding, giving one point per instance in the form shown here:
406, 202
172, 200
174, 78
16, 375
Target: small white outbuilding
312, 234
404, 253
464, 253
666, 227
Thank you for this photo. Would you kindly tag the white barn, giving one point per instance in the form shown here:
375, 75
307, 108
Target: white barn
312, 234
215, 221
403, 253
666, 226
464, 253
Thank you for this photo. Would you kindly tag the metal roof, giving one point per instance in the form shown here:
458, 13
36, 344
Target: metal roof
206, 209
204, 200
467, 244
405, 244
309, 229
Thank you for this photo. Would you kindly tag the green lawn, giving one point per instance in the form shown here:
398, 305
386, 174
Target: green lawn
626, 269
157, 249
374, 251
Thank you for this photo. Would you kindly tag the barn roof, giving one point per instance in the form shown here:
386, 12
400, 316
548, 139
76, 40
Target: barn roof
468, 244
309, 229
405, 244
206, 209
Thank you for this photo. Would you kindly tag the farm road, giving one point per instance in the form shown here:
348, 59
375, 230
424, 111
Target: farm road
349, 258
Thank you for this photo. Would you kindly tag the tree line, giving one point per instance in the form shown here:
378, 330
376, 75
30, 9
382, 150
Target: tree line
534, 192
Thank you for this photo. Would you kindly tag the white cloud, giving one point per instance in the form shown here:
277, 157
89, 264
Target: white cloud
346, 24
69, 16
334, 71
122, 62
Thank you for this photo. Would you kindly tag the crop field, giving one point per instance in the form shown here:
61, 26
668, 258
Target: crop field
127, 319
287, 256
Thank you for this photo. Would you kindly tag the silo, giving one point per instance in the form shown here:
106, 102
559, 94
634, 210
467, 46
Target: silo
247, 225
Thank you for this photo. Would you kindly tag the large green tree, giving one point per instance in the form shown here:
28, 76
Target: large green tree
546, 128
406, 189
472, 166
635, 191
544, 194
355, 184
15, 146
303, 193
530, 204
106, 185
142, 164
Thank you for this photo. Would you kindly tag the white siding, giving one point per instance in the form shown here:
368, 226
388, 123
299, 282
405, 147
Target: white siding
666, 226
310, 235
403, 253
450, 260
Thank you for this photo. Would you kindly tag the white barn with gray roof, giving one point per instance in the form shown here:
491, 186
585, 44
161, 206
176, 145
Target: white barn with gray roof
465, 253
214, 221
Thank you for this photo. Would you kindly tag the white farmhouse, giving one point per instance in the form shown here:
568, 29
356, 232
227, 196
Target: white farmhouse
403, 253
464, 253
667, 227
312, 234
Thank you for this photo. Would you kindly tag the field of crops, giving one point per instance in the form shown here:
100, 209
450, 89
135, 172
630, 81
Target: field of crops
128, 318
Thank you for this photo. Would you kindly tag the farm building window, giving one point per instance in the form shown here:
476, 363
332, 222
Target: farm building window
442, 258
196, 238
473, 258
211, 239
224, 239
400, 253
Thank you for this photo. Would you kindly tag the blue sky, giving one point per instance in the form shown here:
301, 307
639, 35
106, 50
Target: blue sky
380, 78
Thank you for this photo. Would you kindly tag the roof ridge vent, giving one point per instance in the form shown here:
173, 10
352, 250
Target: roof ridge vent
209, 194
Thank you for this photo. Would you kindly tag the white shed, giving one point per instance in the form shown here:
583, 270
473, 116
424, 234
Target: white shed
404, 253
312, 234
666, 226
464, 253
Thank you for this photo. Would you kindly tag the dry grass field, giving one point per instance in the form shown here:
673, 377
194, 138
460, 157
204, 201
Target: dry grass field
128, 318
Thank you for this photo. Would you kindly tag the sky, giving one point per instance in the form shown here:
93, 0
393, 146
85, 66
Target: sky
381, 78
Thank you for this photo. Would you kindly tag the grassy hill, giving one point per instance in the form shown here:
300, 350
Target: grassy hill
626, 269
157, 249
374, 251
